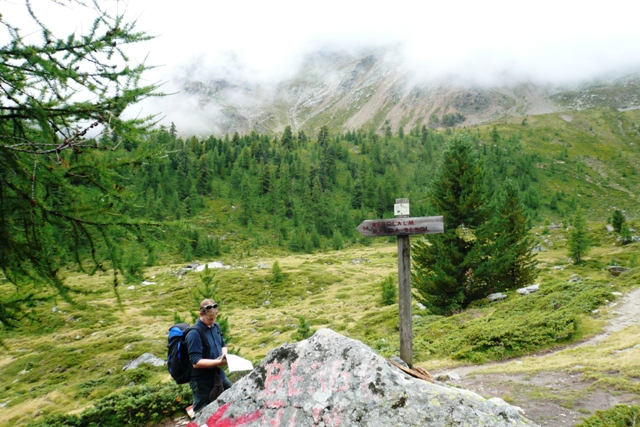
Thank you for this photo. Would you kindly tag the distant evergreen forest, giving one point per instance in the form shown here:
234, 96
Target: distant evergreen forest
302, 192
296, 192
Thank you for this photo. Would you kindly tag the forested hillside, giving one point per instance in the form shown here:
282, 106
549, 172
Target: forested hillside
306, 192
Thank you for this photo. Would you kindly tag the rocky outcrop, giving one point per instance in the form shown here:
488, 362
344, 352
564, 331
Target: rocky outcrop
331, 380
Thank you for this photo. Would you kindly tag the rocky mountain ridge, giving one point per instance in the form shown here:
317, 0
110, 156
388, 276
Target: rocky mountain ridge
373, 89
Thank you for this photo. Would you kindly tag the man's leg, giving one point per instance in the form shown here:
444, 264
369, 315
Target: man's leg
226, 382
200, 390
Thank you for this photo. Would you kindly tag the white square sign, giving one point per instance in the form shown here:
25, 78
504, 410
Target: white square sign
401, 209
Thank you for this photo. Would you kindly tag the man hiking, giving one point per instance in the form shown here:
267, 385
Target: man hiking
207, 378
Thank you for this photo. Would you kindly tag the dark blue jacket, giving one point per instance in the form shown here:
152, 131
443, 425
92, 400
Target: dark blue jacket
212, 350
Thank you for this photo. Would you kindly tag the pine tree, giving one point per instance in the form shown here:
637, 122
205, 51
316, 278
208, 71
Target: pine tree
579, 240
625, 234
389, 291
304, 330
248, 200
617, 220
336, 241
442, 261
58, 188
287, 138
208, 289
511, 264
276, 273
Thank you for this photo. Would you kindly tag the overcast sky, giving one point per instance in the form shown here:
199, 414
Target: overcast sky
552, 40
548, 41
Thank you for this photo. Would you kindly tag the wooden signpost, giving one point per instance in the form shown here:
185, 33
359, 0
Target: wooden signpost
403, 226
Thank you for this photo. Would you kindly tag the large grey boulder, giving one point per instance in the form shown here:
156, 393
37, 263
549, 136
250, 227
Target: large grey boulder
330, 380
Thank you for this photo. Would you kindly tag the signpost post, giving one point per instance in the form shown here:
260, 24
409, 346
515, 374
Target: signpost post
403, 226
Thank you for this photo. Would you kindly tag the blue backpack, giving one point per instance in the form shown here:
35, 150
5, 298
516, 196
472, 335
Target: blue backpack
178, 354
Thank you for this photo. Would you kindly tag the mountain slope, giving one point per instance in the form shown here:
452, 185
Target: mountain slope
374, 88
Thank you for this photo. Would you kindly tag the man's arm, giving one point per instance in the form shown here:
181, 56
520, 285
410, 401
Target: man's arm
211, 363
194, 344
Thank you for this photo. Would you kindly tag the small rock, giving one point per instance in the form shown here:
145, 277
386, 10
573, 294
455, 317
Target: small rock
609, 228
618, 294
501, 403
420, 306
496, 297
78, 337
529, 289
616, 270
263, 265
447, 376
145, 358
132, 287
55, 309
267, 302
275, 334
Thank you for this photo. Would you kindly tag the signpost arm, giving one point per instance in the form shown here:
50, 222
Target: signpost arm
404, 293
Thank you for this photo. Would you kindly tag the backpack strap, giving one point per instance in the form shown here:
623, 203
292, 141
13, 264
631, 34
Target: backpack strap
203, 339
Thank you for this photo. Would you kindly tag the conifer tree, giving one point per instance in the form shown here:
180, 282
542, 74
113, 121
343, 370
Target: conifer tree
59, 188
442, 261
287, 138
511, 262
276, 273
617, 220
579, 240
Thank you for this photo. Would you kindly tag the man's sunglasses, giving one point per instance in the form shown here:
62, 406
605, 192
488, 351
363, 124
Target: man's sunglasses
209, 307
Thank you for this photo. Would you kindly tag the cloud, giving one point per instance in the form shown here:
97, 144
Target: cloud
548, 42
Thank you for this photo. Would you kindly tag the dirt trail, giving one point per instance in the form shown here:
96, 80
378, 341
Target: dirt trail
569, 407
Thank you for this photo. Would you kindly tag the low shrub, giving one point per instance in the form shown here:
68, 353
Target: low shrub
516, 326
133, 407
618, 416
